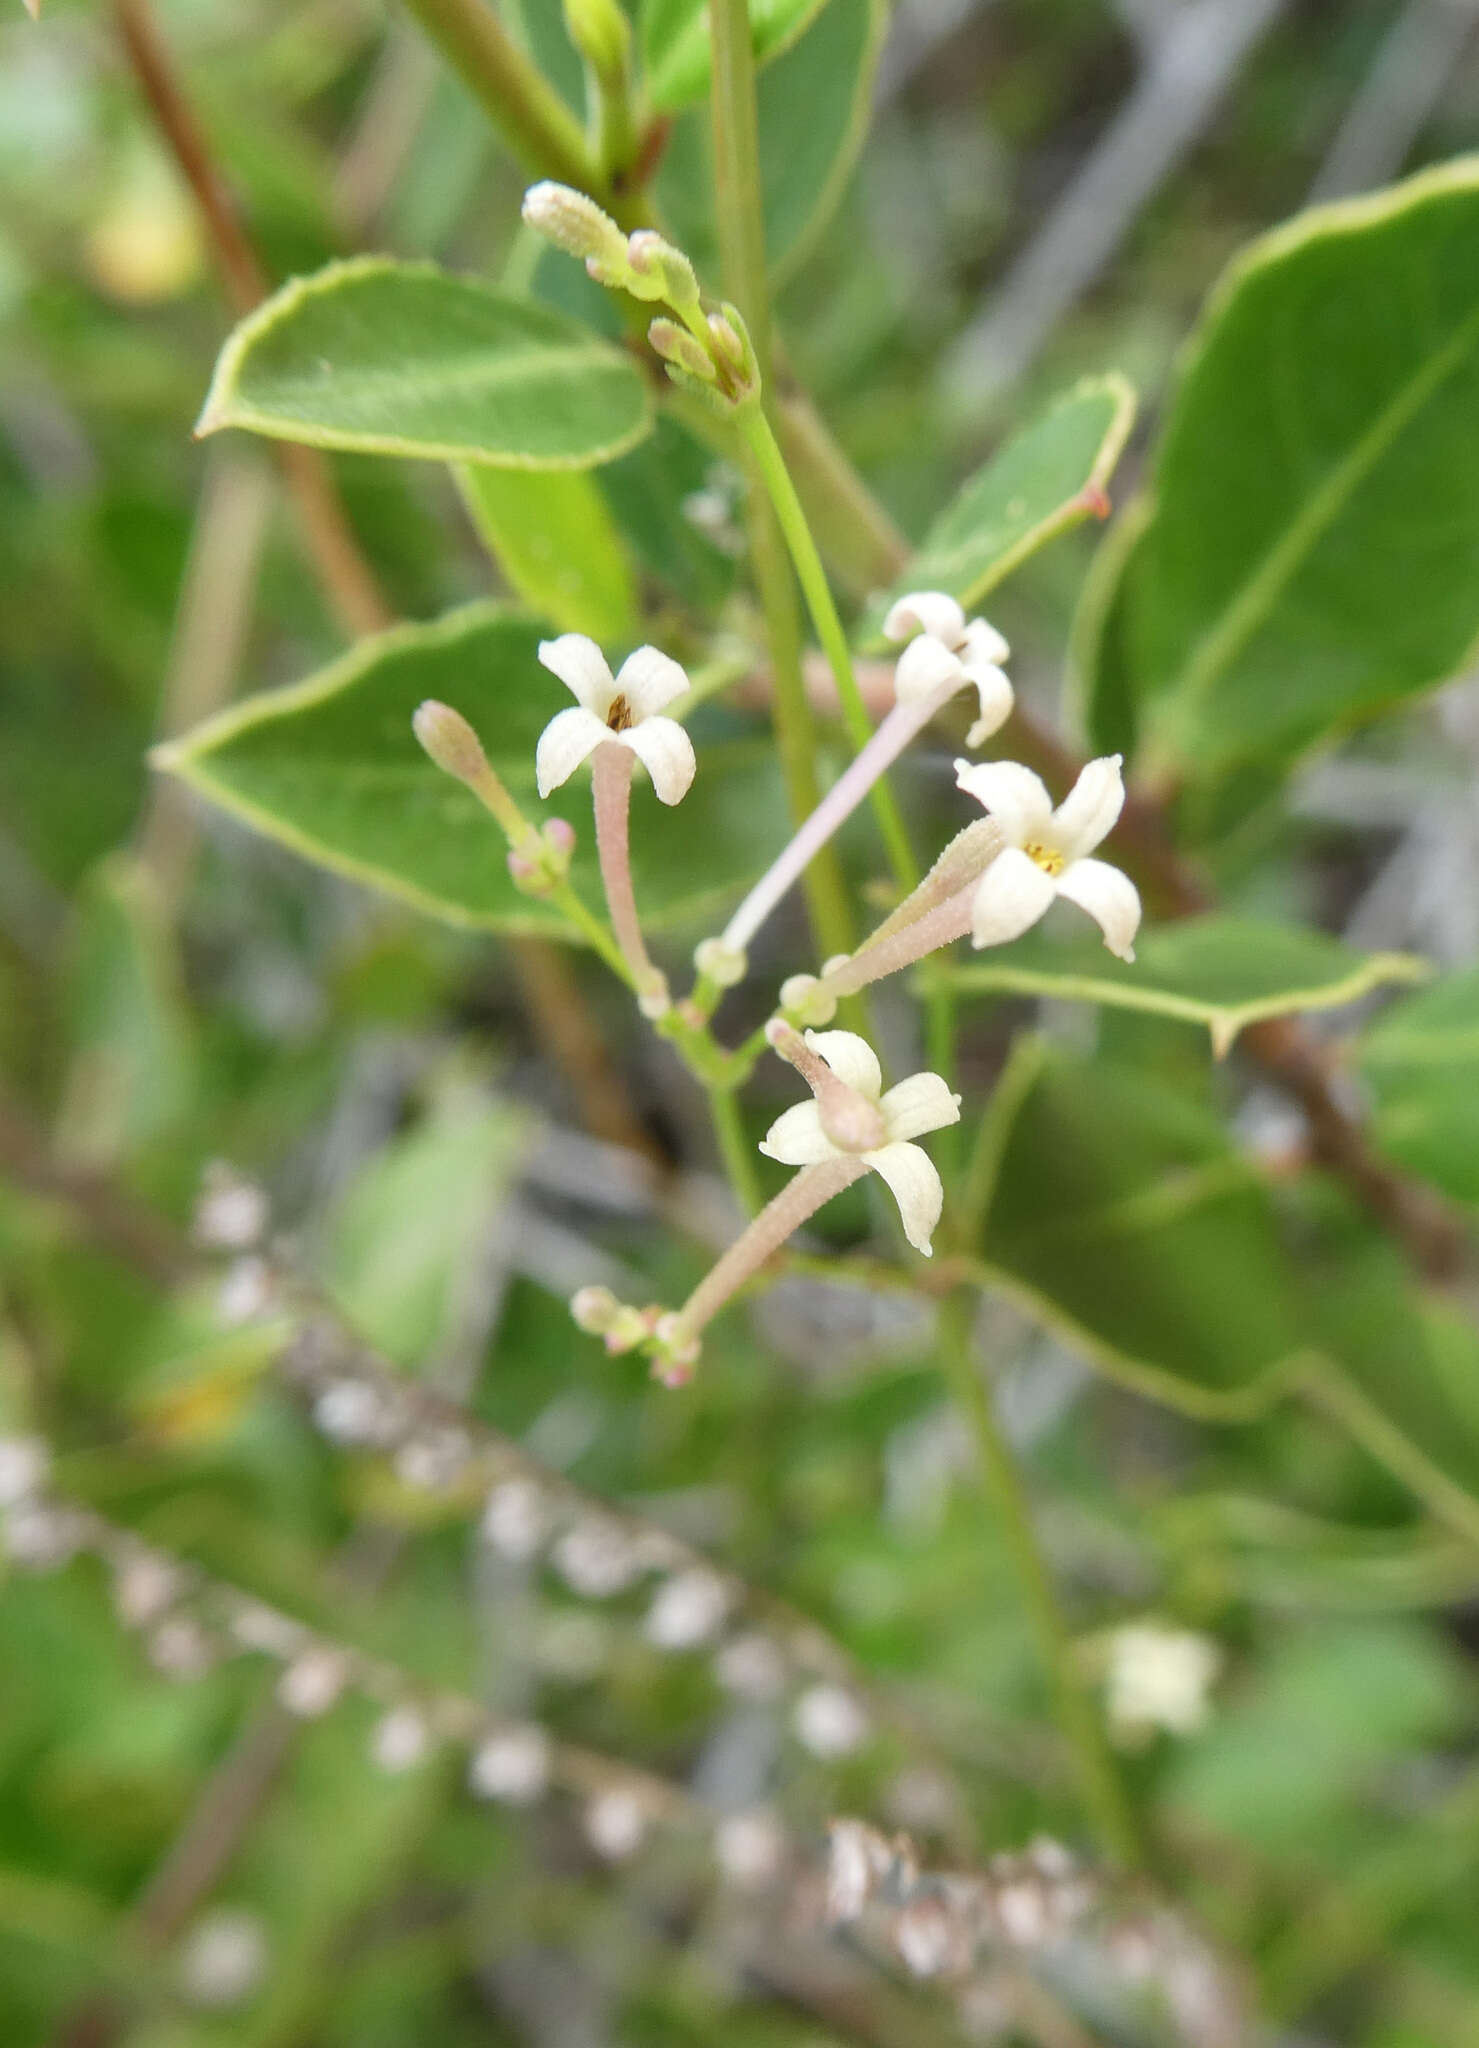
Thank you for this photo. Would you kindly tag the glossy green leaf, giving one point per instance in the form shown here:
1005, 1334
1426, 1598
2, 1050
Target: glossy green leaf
329, 767
1420, 1059
812, 108
1050, 476
676, 54
1120, 1215
552, 535
405, 359
1307, 558
1224, 972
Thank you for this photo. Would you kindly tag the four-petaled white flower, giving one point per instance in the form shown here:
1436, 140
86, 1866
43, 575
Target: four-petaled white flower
1044, 856
623, 708
874, 1127
948, 653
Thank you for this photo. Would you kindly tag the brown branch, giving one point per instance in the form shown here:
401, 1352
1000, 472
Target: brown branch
348, 580
124, 1227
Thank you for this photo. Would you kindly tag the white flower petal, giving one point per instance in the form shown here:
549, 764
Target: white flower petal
796, 1138
1110, 898
851, 1059
924, 666
650, 680
926, 611
1010, 897
911, 1175
569, 738
665, 751
1089, 811
997, 700
1015, 797
925, 1102
582, 668
981, 642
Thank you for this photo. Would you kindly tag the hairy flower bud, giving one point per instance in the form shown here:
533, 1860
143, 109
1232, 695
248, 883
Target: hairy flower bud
450, 741
678, 348
659, 271
577, 225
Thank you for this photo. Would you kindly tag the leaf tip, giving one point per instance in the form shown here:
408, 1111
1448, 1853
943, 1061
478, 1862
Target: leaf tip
1223, 1031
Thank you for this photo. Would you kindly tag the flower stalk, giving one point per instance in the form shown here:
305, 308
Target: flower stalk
611, 789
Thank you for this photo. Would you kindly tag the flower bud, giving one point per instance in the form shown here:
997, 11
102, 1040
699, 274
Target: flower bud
450, 741
602, 34
734, 352
725, 966
659, 271
674, 1352
806, 1002
579, 227
677, 346
593, 1310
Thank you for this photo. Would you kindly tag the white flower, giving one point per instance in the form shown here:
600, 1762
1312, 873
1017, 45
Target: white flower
223, 1958
749, 1847
621, 708
800, 1137
400, 1740
513, 1766
687, 1610
829, 1722
949, 653
25, 1462
615, 1822
1044, 856
1159, 1677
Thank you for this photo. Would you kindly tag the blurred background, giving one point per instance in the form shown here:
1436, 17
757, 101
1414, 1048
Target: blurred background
442, 1136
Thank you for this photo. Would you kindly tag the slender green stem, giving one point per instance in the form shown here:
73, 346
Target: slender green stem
813, 578
525, 108
1103, 1795
740, 217
742, 256
734, 1147
595, 931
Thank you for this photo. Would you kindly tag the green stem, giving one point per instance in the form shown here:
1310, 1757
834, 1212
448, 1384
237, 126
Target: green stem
734, 1148
1103, 1796
740, 218
742, 257
525, 108
813, 577
595, 931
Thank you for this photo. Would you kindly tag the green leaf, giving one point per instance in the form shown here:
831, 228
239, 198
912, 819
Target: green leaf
1221, 971
1118, 1213
132, 1073
405, 359
553, 537
1313, 517
812, 108
329, 768
1122, 1213
676, 55
1047, 478
403, 1243
1420, 1059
